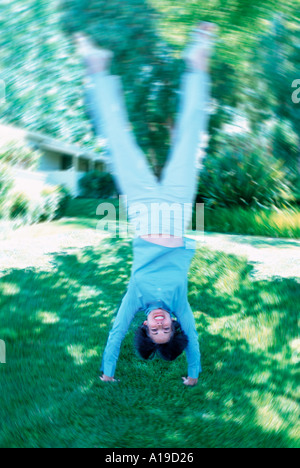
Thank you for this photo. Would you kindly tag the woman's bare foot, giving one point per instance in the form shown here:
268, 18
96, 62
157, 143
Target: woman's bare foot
198, 53
95, 59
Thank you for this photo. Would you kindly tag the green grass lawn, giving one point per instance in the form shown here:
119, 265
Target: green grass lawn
55, 324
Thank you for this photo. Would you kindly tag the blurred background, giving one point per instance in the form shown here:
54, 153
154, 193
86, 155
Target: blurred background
61, 282
250, 181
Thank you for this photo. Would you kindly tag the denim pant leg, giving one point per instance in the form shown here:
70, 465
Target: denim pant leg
129, 165
180, 176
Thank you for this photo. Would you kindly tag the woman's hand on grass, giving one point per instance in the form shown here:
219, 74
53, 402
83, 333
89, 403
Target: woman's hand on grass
189, 382
105, 378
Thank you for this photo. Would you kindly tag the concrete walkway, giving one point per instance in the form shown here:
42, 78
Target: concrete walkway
34, 247
270, 257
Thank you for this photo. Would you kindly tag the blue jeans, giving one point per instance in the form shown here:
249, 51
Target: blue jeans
152, 203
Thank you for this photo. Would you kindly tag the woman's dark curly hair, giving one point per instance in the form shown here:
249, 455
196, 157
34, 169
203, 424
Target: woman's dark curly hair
167, 351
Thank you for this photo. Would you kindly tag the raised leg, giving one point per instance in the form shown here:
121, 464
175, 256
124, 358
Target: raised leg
107, 109
179, 178
129, 163
180, 174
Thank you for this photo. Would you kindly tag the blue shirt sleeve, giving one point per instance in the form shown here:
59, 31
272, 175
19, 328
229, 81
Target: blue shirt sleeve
129, 307
186, 319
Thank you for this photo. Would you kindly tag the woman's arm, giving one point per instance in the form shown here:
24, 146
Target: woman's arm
129, 306
187, 321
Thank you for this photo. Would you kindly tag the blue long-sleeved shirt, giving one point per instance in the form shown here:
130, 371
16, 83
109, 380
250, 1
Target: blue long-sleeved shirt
159, 276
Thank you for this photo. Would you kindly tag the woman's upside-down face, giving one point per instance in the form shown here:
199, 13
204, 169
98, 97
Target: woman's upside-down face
159, 325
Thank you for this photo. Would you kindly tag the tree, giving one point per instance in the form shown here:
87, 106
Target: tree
41, 72
44, 76
276, 66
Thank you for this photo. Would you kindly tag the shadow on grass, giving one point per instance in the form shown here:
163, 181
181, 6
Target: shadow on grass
55, 325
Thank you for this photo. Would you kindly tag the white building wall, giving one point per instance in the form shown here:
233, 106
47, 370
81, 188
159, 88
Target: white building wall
29, 182
32, 183
69, 179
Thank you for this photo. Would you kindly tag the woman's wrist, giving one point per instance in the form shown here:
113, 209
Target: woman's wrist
106, 378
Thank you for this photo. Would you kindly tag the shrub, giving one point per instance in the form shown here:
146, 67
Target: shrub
270, 222
97, 184
243, 172
51, 204
14, 154
64, 200
297, 189
20, 206
55, 202
6, 184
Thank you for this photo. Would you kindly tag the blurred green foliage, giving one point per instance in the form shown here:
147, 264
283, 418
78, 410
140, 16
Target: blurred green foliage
272, 222
97, 184
253, 68
17, 153
55, 201
51, 204
20, 206
244, 172
42, 75
6, 183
